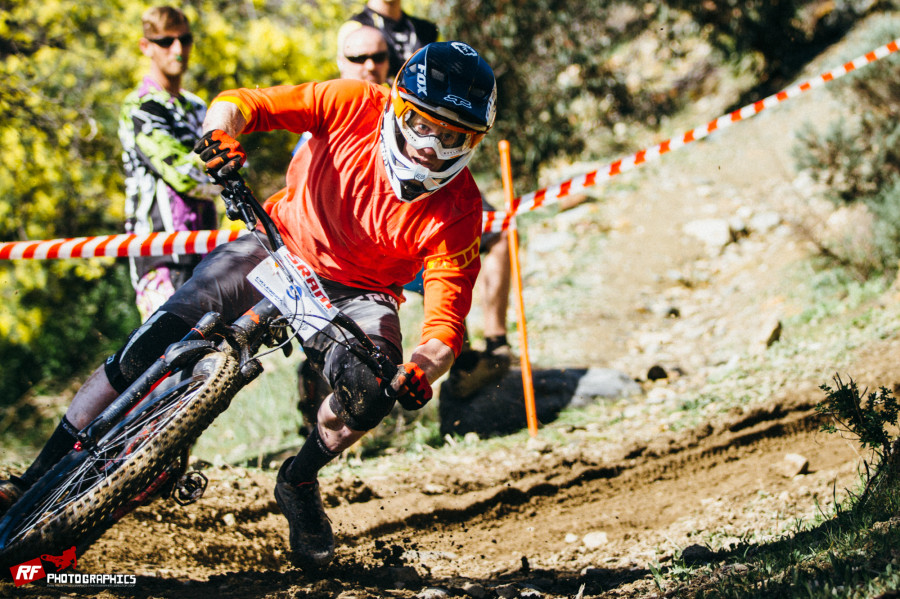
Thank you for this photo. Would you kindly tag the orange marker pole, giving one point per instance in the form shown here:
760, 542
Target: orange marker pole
527, 382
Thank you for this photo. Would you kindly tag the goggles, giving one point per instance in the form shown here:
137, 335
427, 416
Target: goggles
186, 39
422, 130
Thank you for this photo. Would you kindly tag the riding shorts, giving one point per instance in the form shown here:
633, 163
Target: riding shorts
219, 284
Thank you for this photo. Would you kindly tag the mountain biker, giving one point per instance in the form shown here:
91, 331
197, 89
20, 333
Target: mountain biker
362, 54
381, 188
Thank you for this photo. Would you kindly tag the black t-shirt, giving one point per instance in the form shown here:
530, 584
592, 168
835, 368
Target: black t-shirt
403, 37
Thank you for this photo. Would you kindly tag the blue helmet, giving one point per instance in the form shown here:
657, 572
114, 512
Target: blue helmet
444, 98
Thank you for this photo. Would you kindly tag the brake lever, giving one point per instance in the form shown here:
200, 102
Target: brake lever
234, 195
246, 207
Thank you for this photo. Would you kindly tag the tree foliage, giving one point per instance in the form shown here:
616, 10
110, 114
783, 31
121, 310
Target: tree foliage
549, 56
569, 73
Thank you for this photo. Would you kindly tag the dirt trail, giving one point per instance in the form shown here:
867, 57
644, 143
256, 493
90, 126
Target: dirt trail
518, 523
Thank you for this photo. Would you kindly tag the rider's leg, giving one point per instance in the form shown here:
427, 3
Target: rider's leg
329, 437
94, 395
60, 443
335, 433
357, 405
358, 402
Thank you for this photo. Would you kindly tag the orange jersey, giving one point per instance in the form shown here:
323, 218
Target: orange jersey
339, 213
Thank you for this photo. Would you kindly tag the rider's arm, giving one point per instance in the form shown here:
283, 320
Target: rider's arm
434, 357
452, 266
225, 114
449, 279
297, 108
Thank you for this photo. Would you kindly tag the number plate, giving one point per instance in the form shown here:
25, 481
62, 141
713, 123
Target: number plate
296, 291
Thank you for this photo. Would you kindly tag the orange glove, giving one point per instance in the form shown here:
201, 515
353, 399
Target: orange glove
222, 153
410, 386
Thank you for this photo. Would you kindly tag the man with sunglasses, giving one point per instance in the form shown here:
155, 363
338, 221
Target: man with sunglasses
404, 33
363, 55
165, 187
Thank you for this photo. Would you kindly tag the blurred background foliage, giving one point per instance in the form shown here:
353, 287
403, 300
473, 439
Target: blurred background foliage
856, 160
578, 81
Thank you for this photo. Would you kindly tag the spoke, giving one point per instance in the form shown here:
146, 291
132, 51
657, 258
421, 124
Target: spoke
67, 487
112, 452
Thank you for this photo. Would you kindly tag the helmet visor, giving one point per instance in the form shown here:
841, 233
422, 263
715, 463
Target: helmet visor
421, 131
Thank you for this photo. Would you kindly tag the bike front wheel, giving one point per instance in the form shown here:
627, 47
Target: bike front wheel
87, 491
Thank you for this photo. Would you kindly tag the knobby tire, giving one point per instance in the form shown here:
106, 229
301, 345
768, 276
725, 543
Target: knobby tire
79, 498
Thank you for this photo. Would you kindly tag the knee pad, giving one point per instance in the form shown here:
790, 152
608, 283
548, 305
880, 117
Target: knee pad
145, 344
359, 398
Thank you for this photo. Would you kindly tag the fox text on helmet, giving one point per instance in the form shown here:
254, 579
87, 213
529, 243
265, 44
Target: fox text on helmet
442, 103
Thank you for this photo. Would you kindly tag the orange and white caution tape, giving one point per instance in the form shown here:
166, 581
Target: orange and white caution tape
201, 242
151, 244
497, 221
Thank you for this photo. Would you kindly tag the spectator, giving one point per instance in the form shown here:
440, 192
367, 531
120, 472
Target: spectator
404, 34
363, 54
165, 186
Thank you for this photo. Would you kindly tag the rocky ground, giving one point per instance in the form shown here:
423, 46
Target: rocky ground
690, 265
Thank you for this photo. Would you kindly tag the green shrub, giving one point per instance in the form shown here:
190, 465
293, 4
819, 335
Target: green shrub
870, 417
71, 340
857, 157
